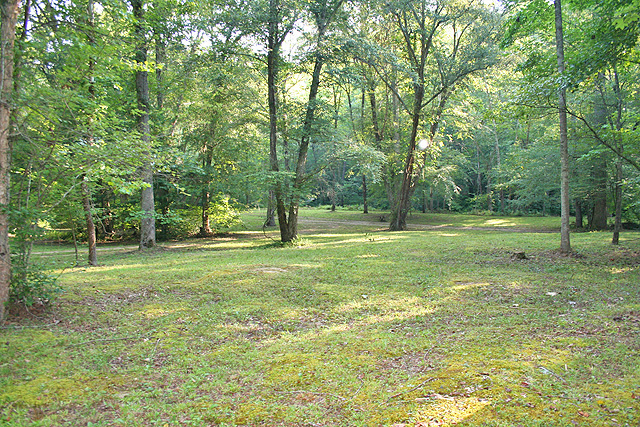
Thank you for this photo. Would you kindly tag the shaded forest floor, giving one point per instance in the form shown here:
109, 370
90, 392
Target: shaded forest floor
351, 326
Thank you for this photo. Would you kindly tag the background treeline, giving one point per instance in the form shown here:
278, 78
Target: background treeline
203, 108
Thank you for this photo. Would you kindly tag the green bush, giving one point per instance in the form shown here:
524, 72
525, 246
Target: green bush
30, 284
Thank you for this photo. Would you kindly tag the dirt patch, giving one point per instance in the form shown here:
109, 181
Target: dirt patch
20, 315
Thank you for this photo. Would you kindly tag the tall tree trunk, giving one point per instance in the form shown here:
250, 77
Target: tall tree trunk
147, 204
274, 42
401, 209
86, 194
599, 175
288, 215
9, 12
161, 58
565, 241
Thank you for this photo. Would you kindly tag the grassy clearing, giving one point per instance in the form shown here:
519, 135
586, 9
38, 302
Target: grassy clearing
352, 326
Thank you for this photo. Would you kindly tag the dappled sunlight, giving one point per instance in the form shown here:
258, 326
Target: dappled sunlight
103, 268
355, 239
439, 410
459, 286
622, 270
499, 223
438, 327
383, 305
155, 310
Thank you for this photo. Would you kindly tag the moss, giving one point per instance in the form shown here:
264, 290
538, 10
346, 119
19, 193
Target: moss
43, 391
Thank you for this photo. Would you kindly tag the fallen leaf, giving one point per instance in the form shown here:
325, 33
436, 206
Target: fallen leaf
583, 414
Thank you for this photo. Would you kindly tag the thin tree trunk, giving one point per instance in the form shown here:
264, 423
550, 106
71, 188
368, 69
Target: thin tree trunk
205, 229
600, 212
86, 194
565, 241
364, 194
599, 173
617, 228
91, 228
9, 12
75, 241
147, 204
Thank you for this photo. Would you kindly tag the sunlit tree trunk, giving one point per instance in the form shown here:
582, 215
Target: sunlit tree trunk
565, 242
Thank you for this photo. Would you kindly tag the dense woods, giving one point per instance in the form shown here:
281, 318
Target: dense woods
163, 118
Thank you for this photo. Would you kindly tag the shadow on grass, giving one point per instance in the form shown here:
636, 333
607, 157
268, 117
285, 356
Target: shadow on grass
360, 329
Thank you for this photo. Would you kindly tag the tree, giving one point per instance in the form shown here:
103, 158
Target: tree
288, 199
443, 43
565, 242
9, 16
147, 220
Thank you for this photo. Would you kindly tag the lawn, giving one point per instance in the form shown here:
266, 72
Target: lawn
350, 326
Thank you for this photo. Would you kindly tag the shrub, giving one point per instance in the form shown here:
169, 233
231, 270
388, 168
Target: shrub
31, 284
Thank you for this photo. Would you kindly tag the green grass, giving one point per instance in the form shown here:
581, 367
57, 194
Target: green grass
351, 326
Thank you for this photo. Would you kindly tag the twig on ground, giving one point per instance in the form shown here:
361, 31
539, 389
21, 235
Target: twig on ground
357, 391
155, 349
549, 371
104, 340
410, 390
316, 393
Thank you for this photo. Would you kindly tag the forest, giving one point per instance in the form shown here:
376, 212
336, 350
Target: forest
398, 213
163, 119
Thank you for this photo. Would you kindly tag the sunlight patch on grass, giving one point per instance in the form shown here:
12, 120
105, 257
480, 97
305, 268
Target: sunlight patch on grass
368, 256
617, 270
382, 305
460, 286
43, 391
499, 223
154, 311
446, 410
